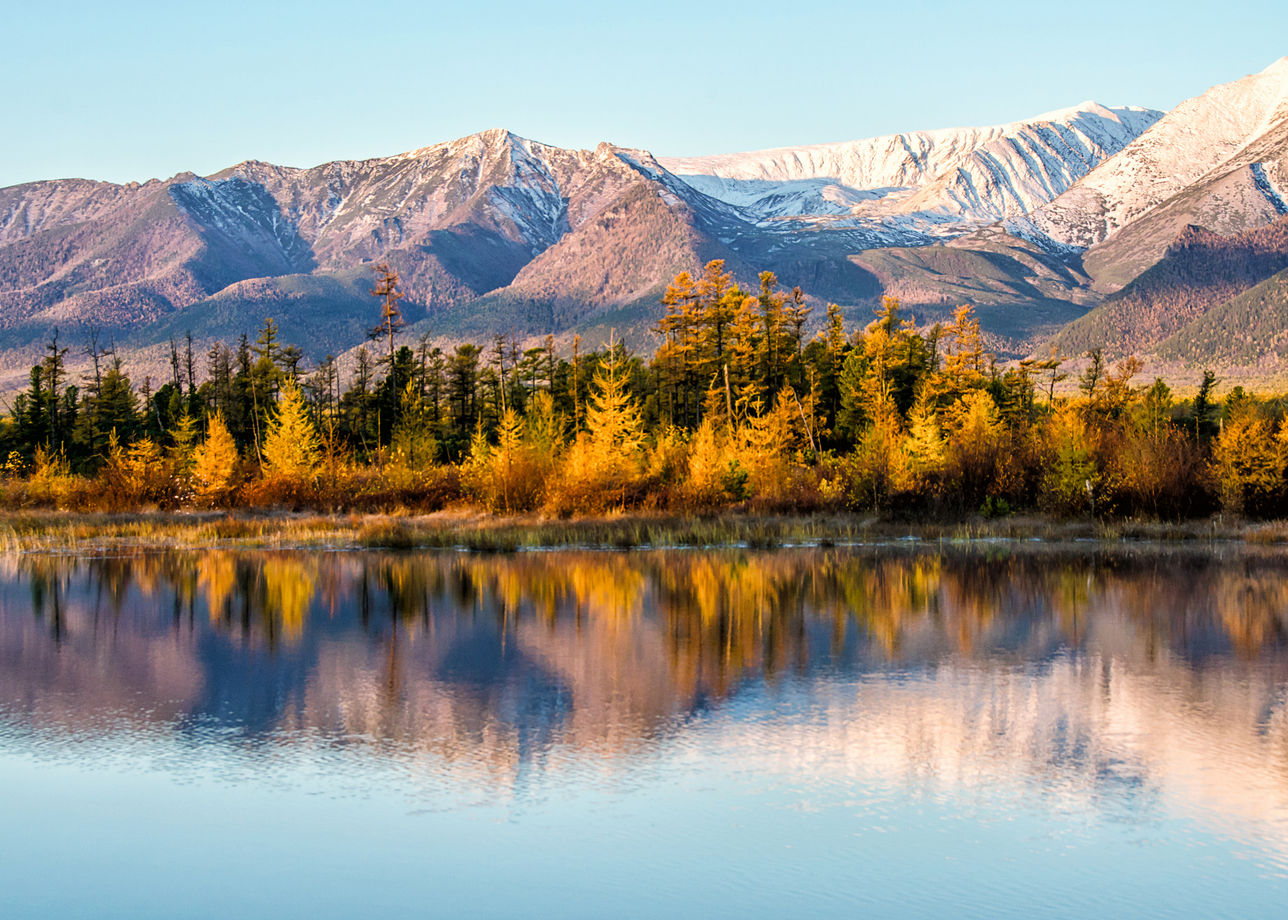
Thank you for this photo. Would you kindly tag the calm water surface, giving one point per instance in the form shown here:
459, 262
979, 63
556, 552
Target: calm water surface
826, 732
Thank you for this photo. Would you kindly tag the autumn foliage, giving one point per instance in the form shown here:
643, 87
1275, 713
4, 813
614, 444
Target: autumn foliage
738, 408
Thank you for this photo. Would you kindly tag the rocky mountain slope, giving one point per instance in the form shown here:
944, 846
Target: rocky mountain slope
494, 231
1154, 223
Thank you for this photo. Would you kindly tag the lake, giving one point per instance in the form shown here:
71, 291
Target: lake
898, 731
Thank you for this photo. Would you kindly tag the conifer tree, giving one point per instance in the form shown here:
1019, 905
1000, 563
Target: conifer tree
508, 455
413, 437
964, 350
391, 320
291, 449
543, 428
605, 459
771, 331
925, 443
613, 418
214, 461
183, 442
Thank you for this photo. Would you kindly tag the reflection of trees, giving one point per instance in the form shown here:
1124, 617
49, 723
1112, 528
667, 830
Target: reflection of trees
1086, 671
726, 613
608, 646
46, 575
285, 589
264, 596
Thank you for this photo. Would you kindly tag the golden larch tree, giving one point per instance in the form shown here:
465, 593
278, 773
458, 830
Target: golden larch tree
214, 461
291, 449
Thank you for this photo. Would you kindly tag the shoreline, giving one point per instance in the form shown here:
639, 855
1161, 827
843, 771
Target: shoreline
462, 530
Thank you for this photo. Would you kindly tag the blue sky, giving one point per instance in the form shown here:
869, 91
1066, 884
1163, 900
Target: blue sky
149, 89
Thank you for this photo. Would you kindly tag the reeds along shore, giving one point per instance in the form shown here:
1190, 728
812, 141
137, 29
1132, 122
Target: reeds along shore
59, 531
735, 411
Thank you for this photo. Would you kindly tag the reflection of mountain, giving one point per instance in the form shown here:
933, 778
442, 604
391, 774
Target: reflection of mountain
1082, 732
1152, 681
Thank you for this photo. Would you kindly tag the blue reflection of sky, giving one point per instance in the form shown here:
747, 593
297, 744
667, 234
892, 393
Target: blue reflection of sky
468, 765
128, 826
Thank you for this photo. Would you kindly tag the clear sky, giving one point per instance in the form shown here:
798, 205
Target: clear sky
140, 89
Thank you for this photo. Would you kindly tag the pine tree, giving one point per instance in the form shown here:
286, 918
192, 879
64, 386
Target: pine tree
391, 320
184, 438
771, 332
964, 356
544, 427
605, 459
413, 437
508, 455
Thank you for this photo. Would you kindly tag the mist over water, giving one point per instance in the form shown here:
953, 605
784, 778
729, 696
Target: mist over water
986, 732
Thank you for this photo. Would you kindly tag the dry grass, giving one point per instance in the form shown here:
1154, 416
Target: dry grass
476, 532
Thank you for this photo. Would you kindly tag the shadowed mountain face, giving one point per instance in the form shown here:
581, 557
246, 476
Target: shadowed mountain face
1199, 273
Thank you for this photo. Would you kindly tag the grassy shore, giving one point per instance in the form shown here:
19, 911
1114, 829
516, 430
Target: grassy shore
471, 531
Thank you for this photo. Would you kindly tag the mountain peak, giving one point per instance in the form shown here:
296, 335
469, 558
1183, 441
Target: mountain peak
487, 139
1205, 139
1277, 67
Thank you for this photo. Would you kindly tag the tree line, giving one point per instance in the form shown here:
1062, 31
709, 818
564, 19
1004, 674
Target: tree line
737, 407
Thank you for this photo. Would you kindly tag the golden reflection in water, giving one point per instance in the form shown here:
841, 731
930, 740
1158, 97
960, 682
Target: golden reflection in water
216, 578
1079, 670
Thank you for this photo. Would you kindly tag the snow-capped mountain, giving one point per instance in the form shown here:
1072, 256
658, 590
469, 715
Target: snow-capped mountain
935, 183
459, 219
1034, 222
1218, 160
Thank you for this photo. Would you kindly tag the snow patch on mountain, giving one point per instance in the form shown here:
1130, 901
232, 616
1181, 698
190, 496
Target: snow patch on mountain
924, 183
1268, 187
245, 215
1201, 136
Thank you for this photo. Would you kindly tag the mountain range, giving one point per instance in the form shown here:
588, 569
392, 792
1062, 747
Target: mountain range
1120, 228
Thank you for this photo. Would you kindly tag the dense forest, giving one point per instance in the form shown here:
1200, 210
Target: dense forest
736, 409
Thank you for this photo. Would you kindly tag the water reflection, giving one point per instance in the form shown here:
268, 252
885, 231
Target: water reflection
1142, 682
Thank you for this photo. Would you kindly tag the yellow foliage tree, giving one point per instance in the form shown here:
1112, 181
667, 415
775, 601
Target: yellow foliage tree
509, 463
765, 442
878, 463
924, 446
543, 425
613, 419
1071, 479
964, 349
136, 473
1247, 461
214, 462
713, 472
185, 437
291, 449
975, 444
413, 445
606, 458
